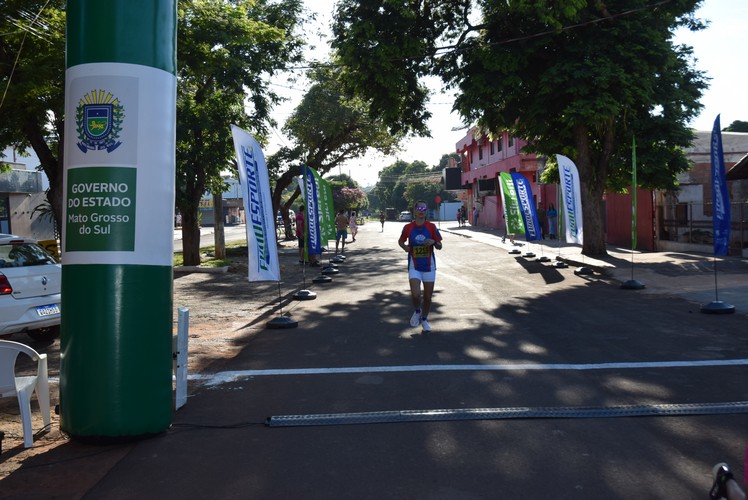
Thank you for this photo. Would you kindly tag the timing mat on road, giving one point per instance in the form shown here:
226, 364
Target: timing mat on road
440, 415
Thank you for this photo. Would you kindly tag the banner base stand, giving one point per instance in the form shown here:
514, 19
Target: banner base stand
338, 259
281, 323
718, 307
584, 271
560, 264
304, 295
633, 285
514, 252
329, 270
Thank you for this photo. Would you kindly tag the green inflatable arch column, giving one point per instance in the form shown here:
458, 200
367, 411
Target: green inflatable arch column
117, 235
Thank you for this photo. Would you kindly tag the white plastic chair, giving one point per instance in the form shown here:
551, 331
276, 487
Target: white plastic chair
22, 387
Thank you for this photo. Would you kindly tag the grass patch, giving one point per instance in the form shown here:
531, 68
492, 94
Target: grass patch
207, 255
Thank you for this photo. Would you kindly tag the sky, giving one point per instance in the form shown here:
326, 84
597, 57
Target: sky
717, 50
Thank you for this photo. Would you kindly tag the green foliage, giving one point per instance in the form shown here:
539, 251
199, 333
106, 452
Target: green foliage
386, 47
225, 51
426, 190
32, 77
396, 179
328, 129
575, 77
342, 180
737, 126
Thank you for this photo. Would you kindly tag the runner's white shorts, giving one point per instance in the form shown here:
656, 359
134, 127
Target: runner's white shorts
426, 277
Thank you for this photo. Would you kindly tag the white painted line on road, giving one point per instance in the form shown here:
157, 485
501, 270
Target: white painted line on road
232, 376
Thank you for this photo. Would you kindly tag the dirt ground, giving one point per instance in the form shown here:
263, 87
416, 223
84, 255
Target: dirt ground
225, 311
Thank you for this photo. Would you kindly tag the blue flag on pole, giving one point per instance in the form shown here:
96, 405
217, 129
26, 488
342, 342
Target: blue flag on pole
720, 195
526, 207
311, 197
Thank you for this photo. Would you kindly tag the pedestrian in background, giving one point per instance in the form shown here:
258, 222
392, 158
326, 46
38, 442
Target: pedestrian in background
540, 212
552, 215
301, 235
354, 226
341, 230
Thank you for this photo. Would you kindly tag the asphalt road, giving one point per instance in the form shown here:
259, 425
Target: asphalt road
530, 386
511, 336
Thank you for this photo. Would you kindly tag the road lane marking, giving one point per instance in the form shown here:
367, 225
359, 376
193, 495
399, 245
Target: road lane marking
212, 379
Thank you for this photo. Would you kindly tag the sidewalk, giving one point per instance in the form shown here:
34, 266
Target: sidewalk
687, 275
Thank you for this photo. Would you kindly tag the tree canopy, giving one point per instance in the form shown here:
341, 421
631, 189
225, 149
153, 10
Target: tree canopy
32, 76
575, 77
737, 126
401, 184
328, 129
226, 53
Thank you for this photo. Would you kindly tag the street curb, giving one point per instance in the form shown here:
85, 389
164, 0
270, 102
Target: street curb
198, 269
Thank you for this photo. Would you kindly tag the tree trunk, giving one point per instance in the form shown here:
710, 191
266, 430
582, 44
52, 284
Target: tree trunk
592, 179
218, 233
593, 213
190, 237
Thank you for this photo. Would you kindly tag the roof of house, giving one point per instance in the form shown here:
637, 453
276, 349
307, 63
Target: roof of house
739, 170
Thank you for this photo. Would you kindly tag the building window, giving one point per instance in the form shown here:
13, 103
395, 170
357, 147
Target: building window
492, 148
480, 151
511, 141
499, 143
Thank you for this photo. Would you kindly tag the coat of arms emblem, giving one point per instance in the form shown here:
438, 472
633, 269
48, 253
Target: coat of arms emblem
98, 120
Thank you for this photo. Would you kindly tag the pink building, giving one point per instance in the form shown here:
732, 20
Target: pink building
484, 156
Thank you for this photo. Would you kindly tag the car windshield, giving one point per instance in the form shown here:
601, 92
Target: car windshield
24, 254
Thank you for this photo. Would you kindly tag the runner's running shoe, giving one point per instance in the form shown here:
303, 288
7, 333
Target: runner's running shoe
425, 325
415, 320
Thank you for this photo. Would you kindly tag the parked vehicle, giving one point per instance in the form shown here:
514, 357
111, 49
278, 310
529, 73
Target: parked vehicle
406, 216
30, 281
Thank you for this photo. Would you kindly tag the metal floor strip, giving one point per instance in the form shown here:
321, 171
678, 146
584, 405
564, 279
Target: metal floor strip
383, 417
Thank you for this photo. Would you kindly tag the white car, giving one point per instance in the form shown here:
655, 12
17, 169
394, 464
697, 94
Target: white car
30, 281
406, 216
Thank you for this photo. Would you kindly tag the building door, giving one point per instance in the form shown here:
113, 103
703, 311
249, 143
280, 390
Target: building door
4, 214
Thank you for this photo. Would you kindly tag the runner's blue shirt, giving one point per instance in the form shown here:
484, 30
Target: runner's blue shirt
422, 256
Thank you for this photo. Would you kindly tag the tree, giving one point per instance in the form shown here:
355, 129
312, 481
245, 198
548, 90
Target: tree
393, 180
425, 190
32, 76
737, 126
225, 53
328, 129
574, 77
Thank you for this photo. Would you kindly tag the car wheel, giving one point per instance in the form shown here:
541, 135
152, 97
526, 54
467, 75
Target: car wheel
49, 333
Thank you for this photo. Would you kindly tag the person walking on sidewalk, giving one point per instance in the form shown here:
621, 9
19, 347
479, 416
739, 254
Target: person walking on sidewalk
382, 219
354, 226
301, 235
476, 215
552, 217
419, 239
341, 230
